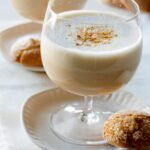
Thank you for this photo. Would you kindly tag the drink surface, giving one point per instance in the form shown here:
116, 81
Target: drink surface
90, 53
92, 31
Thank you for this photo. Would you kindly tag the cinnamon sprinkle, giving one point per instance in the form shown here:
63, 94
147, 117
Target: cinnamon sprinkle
94, 35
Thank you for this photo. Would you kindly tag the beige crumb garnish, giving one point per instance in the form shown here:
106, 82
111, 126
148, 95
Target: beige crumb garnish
94, 35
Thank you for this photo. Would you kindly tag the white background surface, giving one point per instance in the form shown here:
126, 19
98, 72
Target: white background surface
16, 85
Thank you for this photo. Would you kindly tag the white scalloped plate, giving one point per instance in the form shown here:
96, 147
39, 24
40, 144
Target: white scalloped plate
38, 108
9, 36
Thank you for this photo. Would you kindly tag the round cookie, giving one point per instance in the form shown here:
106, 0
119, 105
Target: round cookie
128, 129
144, 5
27, 52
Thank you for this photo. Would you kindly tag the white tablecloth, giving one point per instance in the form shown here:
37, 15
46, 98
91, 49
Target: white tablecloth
17, 84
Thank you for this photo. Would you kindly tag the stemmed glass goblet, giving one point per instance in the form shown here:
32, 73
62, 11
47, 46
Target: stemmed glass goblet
89, 48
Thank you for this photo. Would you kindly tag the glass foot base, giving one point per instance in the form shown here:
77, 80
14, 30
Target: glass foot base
71, 124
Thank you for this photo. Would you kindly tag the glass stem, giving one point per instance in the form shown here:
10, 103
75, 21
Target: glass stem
88, 104
88, 108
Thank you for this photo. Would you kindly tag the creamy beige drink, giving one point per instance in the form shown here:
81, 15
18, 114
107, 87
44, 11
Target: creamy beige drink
32, 9
35, 9
66, 5
90, 53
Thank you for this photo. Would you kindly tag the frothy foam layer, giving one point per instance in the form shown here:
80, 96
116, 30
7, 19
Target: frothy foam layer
92, 31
